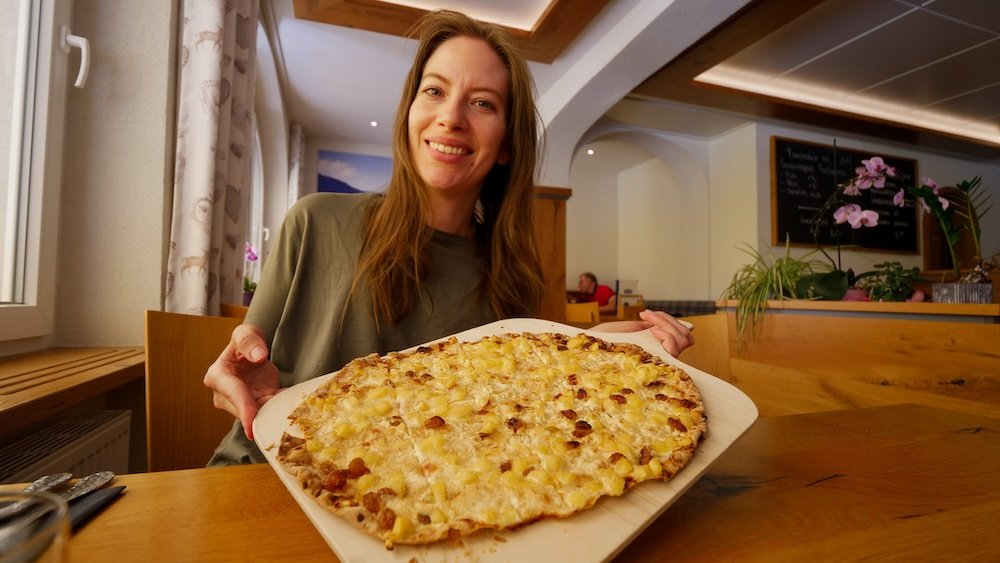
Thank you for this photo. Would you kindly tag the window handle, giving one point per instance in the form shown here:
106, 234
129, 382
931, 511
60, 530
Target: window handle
66, 41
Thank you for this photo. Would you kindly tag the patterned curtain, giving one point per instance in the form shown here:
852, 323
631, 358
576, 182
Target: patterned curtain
212, 170
296, 168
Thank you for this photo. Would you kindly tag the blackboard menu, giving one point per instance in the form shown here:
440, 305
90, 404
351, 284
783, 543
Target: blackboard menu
802, 181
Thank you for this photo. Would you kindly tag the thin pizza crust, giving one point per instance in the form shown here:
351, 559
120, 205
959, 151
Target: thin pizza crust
455, 437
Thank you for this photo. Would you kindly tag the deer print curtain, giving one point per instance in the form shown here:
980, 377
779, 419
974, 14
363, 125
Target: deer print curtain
212, 171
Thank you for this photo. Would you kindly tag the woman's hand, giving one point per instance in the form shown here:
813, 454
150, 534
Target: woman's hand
673, 336
242, 379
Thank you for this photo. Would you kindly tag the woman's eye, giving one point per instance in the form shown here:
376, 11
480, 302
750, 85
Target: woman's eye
483, 104
432, 91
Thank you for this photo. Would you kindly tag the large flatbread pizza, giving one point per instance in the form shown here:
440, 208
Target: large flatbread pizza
454, 437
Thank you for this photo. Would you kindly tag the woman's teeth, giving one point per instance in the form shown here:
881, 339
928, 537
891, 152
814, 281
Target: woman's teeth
447, 149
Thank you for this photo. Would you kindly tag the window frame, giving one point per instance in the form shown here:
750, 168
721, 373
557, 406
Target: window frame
41, 174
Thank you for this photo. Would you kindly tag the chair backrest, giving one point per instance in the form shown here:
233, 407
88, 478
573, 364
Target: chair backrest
182, 427
583, 312
230, 310
710, 352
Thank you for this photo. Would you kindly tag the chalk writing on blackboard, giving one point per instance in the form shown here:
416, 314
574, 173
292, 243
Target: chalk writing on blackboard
803, 176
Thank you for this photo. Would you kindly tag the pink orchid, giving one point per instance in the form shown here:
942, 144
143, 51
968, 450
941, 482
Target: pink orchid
898, 199
251, 253
930, 183
866, 218
841, 215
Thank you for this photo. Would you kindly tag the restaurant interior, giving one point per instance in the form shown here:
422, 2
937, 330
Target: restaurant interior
678, 134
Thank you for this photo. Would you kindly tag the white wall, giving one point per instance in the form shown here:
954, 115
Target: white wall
117, 174
592, 226
682, 217
272, 121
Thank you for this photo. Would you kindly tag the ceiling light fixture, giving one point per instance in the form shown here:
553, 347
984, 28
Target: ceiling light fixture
824, 96
590, 152
374, 123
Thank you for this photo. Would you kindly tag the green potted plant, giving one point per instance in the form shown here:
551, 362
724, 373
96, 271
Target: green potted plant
890, 281
249, 272
767, 278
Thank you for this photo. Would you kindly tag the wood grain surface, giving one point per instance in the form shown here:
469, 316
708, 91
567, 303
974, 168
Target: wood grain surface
909, 482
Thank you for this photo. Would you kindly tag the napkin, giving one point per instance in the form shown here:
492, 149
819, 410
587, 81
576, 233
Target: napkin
81, 509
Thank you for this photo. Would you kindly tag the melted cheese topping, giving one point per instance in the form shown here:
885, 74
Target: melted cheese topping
492, 433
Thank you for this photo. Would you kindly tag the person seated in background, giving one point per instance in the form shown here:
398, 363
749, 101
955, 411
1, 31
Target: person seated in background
593, 291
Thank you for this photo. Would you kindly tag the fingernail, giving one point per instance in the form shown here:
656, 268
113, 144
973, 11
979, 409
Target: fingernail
257, 354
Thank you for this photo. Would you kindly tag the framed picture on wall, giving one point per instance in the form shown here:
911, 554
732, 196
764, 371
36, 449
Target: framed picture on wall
344, 172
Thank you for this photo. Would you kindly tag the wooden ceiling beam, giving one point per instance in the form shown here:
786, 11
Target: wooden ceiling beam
562, 21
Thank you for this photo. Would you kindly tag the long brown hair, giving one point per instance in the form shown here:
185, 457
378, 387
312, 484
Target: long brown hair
392, 262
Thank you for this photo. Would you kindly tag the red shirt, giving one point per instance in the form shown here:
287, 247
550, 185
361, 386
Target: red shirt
602, 294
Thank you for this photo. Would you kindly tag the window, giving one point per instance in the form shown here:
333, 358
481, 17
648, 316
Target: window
32, 89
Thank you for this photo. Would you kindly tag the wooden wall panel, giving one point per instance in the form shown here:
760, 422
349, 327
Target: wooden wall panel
550, 236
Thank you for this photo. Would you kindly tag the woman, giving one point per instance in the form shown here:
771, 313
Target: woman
448, 247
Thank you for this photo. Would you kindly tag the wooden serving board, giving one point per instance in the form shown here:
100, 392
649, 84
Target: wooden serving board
595, 534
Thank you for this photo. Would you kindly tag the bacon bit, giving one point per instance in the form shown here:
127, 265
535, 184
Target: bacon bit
569, 413
395, 420
423, 518
519, 407
615, 457
505, 466
387, 491
515, 424
581, 394
423, 349
335, 481
389, 383
426, 377
562, 347
486, 407
645, 455
661, 397
620, 399
484, 435
572, 444
573, 379
656, 383
372, 502
683, 403
528, 470
676, 424
582, 429
434, 422
557, 395
345, 388
627, 391
361, 517
386, 519
357, 468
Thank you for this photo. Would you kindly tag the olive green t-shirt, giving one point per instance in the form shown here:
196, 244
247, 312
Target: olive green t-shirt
302, 294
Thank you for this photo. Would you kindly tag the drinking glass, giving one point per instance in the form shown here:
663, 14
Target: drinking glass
37, 532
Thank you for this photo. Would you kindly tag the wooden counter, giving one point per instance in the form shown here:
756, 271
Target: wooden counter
956, 312
907, 482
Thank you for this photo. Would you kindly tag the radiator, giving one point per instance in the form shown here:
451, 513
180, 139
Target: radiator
94, 441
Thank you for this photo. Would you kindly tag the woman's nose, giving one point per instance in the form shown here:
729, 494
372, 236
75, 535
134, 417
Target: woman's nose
452, 115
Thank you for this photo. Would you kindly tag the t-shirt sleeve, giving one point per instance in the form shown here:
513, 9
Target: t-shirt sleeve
603, 294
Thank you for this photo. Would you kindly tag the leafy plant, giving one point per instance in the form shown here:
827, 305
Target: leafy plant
890, 281
767, 278
250, 268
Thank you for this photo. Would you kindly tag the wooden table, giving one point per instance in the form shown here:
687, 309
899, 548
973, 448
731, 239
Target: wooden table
905, 481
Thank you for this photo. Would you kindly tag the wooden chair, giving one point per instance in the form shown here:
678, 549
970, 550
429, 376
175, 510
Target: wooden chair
230, 310
583, 312
710, 352
182, 427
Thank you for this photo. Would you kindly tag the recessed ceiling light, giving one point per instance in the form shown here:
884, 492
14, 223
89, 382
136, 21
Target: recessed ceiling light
590, 151
374, 123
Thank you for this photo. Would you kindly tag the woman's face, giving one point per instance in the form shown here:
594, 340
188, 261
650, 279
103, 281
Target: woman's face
457, 120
